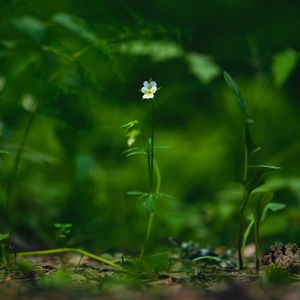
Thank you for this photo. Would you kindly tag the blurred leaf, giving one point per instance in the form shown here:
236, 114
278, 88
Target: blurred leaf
136, 193
275, 275
58, 279
238, 96
30, 26
136, 153
4, 236
149, 203
283, 65
3, 152
256, 176
158, 51
6, 46
272, 207
258, 202
203, 67
76, 25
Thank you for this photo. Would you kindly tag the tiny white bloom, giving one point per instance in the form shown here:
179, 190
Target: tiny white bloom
149, 89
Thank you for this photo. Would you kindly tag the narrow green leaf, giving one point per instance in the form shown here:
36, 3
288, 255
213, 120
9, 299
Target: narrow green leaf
258, 201
256, 176
3, 152
136, 153
136, 193
283, 65
76, 25
272, 207
207, 257
166, 195
238, 96
31, 26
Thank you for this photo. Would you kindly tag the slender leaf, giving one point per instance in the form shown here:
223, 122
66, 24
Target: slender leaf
258, 202
76, 25
136, 193
31, 26
272, 207
283, 65
238, 96
256, 176
3, 152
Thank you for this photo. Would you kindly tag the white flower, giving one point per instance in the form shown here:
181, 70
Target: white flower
149, 89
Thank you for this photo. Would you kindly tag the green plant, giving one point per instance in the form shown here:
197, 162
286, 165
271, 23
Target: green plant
63, 231
149, 198
253, 177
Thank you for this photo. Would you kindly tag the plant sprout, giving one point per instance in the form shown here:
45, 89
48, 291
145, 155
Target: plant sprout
253, 178
149, 198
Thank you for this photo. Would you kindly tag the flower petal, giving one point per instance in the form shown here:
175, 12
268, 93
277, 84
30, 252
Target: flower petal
153, 89
153, 84
144, 90
146, 84
145, 96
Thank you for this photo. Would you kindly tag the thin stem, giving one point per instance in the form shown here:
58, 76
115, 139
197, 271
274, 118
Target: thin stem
157, 177
152, 147
244, 203
75, 250
256, 232
148, 233
152, 191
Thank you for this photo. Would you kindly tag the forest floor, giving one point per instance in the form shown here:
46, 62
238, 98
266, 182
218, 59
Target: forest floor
71, 276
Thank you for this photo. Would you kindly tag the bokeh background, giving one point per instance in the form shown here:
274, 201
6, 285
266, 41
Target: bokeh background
70, 74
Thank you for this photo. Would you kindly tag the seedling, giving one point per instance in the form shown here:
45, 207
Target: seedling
63, 231
253, 178
149, 198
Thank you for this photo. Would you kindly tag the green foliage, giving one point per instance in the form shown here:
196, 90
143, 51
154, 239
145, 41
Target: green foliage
203, 67
159, 51
75, 24
84, 65
253, 180
63, 229
31, 26
239, 99
283, 65
60, 279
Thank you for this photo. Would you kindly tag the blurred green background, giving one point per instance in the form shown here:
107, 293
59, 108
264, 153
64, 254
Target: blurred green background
70, 74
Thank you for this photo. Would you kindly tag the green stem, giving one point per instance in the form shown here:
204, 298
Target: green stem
151, 172
152, 147
244, 204
148, 233
256, 232
157, 176
74, 250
